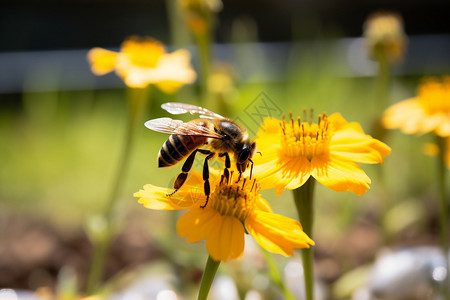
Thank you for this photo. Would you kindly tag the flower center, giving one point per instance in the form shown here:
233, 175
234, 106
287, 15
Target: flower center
143, 52
236, 199
434, 96
306, 139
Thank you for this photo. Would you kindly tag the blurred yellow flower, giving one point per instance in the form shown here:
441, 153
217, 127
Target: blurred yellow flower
198, 13
328, 150
233, 209
384, 36
428, 112
144, 61
201, 5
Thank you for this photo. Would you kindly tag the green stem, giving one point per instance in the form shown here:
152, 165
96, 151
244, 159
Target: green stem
304, 202
203, 40
443, 216
276, 277
178, 31
137, 100
97, 265
383, 83
208, 278
382, 96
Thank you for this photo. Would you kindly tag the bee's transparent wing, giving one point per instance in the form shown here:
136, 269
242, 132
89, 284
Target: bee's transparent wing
176, 108
170, 126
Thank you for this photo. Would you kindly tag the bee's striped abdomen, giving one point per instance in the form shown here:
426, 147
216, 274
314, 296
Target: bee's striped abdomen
177, 147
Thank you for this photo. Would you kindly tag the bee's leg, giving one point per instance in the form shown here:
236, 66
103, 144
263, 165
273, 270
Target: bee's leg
181, 178
206, 187
226, 173
251, 169
239, 177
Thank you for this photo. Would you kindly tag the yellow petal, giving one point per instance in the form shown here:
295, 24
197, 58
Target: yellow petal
359, 147
173, 71
337, 120
443, 129
190, 195
154, 197
197, 223
133, 76
263, 205
169, 74
270, 126
283, 173
226, 239
102, 61
276, 233
407, 115
339, 175
168, 86
144, 52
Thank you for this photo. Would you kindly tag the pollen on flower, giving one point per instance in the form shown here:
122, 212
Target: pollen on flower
237, 199
306, 139
434, 96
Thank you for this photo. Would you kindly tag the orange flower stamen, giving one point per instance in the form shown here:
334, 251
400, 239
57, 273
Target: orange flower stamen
306, 139
235, 199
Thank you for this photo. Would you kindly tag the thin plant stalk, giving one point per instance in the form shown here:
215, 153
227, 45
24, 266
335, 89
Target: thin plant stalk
443, 215
137, 101
208, 278
304, 202
203, 40
178, 30
276, 277
382, 95
383, 81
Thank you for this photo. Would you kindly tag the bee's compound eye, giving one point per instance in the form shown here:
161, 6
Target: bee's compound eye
243, 155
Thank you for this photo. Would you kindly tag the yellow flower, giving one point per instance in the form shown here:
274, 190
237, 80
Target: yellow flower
233, 209
384, 36
199, 13
428, 112
201, 5
328, 150
144, 61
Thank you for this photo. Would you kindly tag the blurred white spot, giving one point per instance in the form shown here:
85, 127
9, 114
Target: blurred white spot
133, 296
293, 269
166, 295
224, 289
439, 273
361, 294
358, 60
253, 295
8, 294
260, 282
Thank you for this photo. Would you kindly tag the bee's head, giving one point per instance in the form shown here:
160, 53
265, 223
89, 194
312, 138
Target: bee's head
244, 154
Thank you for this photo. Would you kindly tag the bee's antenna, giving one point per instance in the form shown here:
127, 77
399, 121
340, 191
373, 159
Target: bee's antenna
259, 152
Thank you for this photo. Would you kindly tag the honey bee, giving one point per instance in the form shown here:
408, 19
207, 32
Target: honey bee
221, 135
